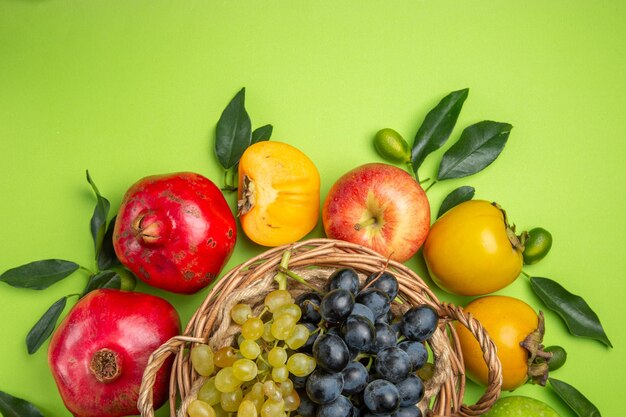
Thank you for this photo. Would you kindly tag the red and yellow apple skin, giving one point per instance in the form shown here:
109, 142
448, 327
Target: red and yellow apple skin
378, 206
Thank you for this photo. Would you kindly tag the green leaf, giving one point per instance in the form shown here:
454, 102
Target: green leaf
107, 257
39, 275
579, 317
233, 132
104, 279
479, 145
11, 406
42, 330
262, 133
574, 399
99, 217
437, 126
456, 197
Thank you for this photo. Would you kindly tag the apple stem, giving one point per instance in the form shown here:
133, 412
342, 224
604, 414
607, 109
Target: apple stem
368, 222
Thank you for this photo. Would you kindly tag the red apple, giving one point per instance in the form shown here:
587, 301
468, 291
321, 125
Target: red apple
378, 206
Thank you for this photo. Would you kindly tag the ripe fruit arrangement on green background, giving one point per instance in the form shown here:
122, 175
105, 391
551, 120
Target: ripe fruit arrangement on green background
291, 358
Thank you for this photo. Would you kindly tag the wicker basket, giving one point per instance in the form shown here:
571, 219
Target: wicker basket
315, 259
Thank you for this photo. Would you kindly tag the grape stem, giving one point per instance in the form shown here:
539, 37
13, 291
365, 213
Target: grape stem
280, 277
298, 278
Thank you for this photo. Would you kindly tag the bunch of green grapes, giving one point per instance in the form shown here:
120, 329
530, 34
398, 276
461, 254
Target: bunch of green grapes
254, 378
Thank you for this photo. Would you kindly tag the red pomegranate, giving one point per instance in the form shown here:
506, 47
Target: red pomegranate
175, 231
100, 350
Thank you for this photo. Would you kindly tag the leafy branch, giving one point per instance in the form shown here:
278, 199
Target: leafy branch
233, 135
39, 275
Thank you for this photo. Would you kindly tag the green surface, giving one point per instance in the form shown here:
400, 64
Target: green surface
128, 89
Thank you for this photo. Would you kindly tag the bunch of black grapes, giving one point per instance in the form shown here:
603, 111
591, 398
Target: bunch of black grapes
367, 359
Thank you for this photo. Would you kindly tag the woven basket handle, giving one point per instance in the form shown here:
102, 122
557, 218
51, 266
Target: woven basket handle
492, 392
155, 362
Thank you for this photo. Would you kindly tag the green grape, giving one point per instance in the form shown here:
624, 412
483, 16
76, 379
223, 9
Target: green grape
219, 412
292, 401
277, 356
240, 339
271, 391
273, 408
249, 349
256, 395
225, 380
230, 400
267, 332
240, 313
283, 326
247, 409
261, 363
277, 298
225, 357
298, 337
291, 309
286, 387
252, 329
202, 360
244, 369
208, 393
280, 374
199, 408
301, 364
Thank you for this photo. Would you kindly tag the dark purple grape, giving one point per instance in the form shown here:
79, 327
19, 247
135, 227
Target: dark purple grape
386, 282
355, 378
336, 305
360, 310
340, 407
299, 382
381, 397
392, 364
411, 390
331, 353
334, 331
368, 413
395, 324
309, 303
356, 411
376, 300
358, 333
385, 337
385, 318
418, 355
419, 323
307, 408
345, 278
411, 411
324, 387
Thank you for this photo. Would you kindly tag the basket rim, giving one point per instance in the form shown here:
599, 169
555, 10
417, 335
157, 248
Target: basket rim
326, 252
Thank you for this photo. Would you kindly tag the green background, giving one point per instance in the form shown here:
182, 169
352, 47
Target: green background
133, 88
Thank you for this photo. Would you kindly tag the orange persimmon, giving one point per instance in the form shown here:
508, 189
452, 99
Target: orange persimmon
279, 193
